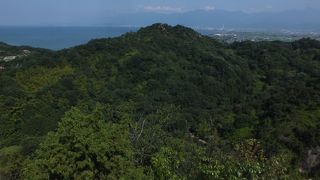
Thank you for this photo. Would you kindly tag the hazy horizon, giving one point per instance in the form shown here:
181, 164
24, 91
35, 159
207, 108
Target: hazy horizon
102, 12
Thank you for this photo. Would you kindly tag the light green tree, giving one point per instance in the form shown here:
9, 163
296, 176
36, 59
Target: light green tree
84, 146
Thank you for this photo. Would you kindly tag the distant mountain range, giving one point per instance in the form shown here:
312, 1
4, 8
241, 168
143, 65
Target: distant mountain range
307, 19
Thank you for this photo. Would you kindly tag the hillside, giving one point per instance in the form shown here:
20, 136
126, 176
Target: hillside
162, 103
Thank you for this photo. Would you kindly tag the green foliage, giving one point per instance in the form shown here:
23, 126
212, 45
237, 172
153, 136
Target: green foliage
36, 78
84, 146
11, 161
165, 163
247, 161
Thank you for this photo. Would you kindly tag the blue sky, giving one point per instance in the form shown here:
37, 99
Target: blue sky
42, 12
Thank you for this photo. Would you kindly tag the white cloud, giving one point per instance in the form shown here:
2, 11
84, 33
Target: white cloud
209, 8
163, 9
172, 9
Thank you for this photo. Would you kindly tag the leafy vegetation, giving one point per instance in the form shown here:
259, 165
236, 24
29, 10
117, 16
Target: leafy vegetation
162, 103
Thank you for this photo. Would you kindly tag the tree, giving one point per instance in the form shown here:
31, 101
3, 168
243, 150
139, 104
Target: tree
10, 162
166, 163
85, 146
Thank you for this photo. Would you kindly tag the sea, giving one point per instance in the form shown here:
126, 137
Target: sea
57, 38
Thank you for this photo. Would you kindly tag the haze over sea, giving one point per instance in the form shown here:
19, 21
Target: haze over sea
57, 38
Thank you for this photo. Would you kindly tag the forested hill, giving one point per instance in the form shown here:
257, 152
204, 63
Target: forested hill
162, 103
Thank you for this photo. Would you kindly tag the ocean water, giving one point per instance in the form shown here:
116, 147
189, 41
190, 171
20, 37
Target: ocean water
57, 38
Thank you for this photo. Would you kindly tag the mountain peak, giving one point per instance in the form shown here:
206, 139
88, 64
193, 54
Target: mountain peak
178, 30
158, 26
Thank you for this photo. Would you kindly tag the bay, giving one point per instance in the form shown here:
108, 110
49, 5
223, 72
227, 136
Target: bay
56, 38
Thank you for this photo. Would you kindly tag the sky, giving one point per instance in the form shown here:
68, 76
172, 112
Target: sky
81, 12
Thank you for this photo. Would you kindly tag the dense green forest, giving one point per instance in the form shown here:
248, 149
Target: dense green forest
162, 103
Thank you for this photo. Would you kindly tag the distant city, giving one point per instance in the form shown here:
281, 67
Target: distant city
231, 35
